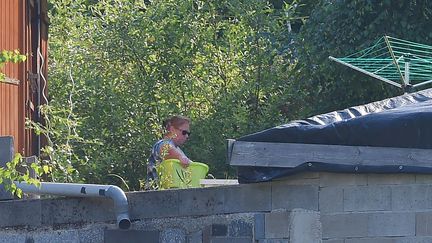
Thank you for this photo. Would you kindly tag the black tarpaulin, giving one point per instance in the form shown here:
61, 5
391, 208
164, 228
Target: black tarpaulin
403, 122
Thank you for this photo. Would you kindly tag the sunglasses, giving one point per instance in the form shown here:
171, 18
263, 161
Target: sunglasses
184, 132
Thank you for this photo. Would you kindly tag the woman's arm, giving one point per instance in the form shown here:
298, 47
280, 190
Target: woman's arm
172, 152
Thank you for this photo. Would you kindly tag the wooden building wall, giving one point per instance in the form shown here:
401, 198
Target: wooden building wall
23, 28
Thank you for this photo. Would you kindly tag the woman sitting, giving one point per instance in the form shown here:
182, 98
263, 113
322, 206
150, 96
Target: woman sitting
177, 133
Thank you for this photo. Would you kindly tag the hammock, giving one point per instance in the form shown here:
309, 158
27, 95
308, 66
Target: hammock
401, 63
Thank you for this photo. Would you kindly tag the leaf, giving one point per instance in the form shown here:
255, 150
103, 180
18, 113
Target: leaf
46, 169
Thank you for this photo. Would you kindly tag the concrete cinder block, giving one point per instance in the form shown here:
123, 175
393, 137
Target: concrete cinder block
424, 223
231, 240
342, 179
391, 224
20, 213
331, 199
334, 241
172, 235
259, 226
367, 198
77, 210
240, 228
248, 197
342, 225
203, 201
390, 179
92, 234
423, 178
66, 236
372, 240
412, 197
273, 241
131, 236
289, 197
219, 230
414, 239
277, 224
207, 231
411, 239
12, 238
6, 155
195, 237
305, 226
362, 225
149, 204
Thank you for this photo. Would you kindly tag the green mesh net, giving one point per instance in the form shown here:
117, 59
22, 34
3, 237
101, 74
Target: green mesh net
402, 63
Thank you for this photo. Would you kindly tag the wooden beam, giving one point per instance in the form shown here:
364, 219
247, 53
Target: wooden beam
295, 154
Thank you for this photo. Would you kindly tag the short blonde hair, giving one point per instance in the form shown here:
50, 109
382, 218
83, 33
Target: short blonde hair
176, 121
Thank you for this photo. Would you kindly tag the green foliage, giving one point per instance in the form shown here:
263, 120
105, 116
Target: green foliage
58, 159
234, 67
17, 171
225, 64
10, 56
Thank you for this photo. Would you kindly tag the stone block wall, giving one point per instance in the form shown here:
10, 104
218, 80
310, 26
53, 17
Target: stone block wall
308, 207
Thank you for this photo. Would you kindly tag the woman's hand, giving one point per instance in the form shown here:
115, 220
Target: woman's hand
185, 161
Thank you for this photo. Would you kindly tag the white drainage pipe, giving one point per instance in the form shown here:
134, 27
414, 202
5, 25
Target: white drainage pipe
85, 190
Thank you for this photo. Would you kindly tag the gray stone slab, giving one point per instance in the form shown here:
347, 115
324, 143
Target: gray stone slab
289, 197
203, 201
391, 179
259, 226
131, 236
20, 213
149, 204
331, 199
77, 210
412, 197
305, 226
342, 179
277, 224
342, 225
240, 228
391, 224
248, 198
367, 198
231, 240
424, 224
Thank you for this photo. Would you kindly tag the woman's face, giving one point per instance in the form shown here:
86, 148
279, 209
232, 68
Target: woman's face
180, 133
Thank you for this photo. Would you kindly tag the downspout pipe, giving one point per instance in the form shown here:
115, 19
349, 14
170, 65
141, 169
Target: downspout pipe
85, 190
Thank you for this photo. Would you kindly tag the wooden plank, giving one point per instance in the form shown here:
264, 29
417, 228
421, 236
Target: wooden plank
294, 154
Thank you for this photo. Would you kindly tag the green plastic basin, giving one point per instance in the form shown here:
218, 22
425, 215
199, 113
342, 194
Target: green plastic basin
173, 175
